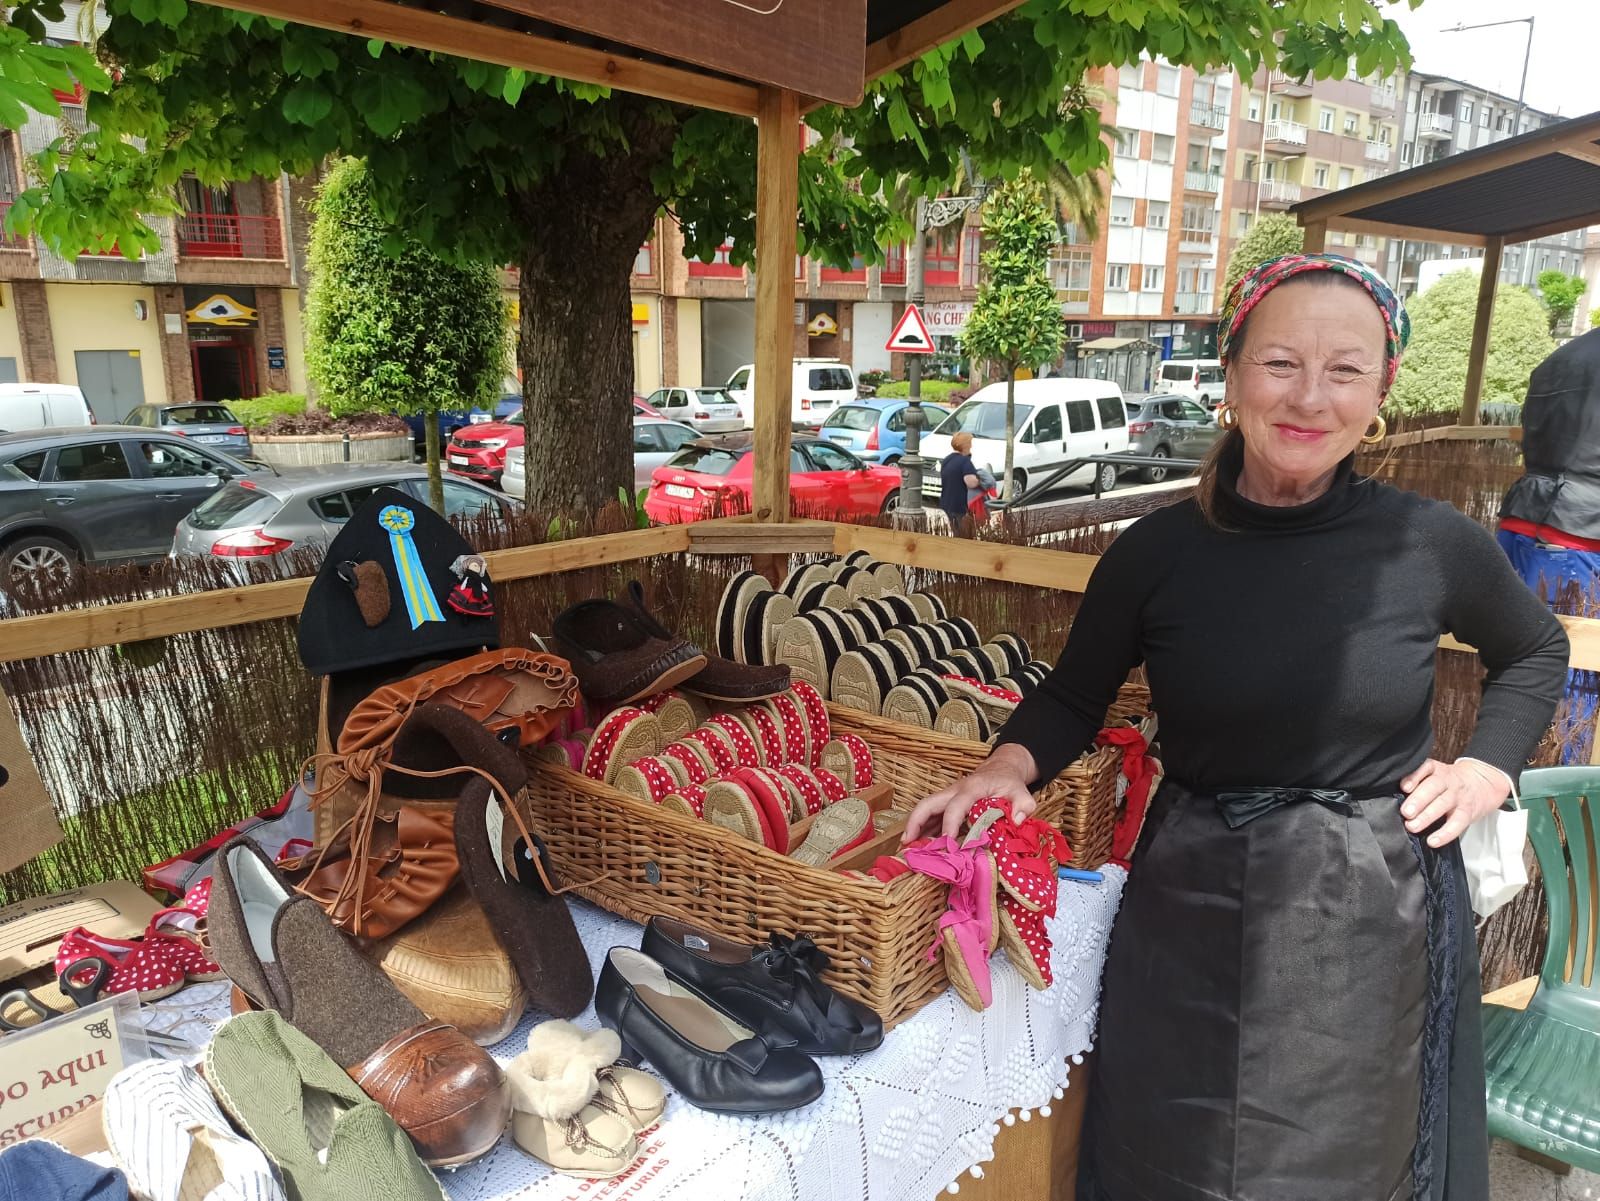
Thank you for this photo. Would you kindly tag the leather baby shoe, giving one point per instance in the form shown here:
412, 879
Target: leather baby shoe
283, 954
559, 1117
775, 988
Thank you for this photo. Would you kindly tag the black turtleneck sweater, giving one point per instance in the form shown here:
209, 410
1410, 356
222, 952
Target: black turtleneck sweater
1296, 647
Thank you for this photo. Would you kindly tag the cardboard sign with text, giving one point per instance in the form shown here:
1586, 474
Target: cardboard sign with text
27, 818
61, 1067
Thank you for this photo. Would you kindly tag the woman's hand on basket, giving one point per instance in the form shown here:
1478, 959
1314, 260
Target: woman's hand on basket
1457, 793
1005, 773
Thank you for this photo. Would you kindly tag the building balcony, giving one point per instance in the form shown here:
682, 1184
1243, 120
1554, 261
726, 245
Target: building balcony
1378, 152
229, 236
1074, 301
1286, 135
1384, 99
1284, 86
718, 268
893, 272
1279, 193
1197, 241
1202, 181
1208, 116
1192, 302
1435, 125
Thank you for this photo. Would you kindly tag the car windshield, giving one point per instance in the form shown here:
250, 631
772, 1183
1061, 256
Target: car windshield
707, 460
982, 419
237, 503
715, 396
198, 415
853, 417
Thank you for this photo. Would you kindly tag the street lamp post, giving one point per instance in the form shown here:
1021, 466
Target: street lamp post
931, 214
1527, 53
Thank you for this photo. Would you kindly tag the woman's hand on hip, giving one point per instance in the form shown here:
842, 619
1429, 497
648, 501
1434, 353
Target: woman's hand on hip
1005, 773
1457, 794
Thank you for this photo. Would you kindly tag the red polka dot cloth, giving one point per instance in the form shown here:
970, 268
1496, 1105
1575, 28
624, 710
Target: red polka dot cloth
989, 690
689, 800
1026, 855
154, 966
597, 759
715, 743
796, 739
860, 758
810, 788
647, 778
833, 789
767, 734
690, 760
816, 711
744, 746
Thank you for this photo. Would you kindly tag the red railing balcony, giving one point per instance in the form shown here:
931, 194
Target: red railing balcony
9, 241
718, 268
856, 273
941, 271
894, 267
229, 236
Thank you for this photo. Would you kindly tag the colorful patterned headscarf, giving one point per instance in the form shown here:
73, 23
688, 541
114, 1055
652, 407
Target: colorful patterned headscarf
1253, 288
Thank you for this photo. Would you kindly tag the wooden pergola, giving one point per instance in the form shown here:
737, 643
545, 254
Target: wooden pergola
1531, 186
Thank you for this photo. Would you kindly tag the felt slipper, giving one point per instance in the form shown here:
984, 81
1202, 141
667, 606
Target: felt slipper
616, 657
804, 576
732, 611
815, 709
837, 829
960, 718
806, 787
716, 746
720, 678
675, 712
689, 760
689, 800
622, 736
648, 779
928, 606
850, 758
746, 751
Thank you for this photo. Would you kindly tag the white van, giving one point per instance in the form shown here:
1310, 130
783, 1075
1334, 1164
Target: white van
42, 407
819, 387
1201, 379
1058, 420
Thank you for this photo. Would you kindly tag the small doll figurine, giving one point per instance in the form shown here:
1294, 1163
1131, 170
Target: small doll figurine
471, 595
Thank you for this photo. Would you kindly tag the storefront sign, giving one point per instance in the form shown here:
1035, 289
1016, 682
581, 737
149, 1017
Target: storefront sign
50, 1073
641, 313
221, 309
275, 358
947, 318
1099, 329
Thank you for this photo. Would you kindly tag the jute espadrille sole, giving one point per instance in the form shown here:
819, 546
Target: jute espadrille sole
855, 683
800, 646
961, 719
890, 578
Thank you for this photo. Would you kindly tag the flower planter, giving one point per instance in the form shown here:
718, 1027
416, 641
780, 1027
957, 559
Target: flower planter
310, 450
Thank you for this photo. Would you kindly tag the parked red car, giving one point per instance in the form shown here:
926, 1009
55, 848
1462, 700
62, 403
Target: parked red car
478, 452
712, 477
643, 408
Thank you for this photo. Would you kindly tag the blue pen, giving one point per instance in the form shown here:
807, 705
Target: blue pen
1072, 873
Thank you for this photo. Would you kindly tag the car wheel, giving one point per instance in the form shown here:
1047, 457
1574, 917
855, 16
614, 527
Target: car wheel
892, 461
1154, 475
1106, 476
39, 563
890, 503
1019, 484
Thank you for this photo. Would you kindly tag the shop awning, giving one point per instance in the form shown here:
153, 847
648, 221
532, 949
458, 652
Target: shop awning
1118, 344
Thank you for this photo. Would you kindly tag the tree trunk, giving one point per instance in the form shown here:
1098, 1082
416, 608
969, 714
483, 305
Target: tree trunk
1011, 430
575, 339
430, 440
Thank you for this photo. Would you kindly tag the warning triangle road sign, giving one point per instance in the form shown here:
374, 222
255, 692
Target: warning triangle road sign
911, 334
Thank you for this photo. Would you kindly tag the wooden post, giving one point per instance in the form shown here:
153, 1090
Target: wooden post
777, 195
1316, 237
1478, 353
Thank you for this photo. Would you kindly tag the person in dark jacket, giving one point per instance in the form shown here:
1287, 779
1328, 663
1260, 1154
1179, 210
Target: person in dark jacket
957, 475
1290, 1006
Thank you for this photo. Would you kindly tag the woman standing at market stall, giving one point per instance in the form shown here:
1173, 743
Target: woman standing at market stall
1290, 1004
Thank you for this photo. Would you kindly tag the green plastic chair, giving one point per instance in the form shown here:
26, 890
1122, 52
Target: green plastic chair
1543, 1062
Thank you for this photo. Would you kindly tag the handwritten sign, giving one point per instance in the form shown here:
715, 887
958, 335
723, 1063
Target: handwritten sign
60, 1067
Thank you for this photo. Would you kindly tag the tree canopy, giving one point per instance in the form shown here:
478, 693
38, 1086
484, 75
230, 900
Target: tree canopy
1271, 235
1560, 293
489, 164
1433, 374
399, 333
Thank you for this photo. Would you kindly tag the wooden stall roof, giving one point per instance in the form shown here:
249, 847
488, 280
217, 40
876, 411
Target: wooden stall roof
1534, 185
710, 53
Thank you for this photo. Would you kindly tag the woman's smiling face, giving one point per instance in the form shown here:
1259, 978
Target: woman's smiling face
1308, 381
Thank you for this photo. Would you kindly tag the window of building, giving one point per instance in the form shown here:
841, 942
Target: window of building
1117, 277
1485, 116
9, 176
1122, 210
1156, 213
1130, 77
1127, 142
1352, 125
1199, 219
1411, 101
1319, 176
971, 254
1242, 225
1252, 109
1275, 110
1073, 270
1464, 112
1161, 146
1347, 176
1167, 81
1151, 280
1325, 120
641, 261
1405, 152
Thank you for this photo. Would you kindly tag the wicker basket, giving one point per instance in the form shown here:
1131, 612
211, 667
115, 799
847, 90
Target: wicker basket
638, 860
1088, 816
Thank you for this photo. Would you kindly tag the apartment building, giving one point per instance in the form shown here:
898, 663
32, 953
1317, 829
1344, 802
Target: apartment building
1300, 138
1444, 116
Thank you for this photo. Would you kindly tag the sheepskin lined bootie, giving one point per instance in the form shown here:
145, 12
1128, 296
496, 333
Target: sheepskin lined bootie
561, 1116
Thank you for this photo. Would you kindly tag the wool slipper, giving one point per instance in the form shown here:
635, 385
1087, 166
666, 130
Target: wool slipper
837, 829
622, 736
850, 758
720, 678
510, 877
689, 760
690, 800
960, 718
554, 1088
804, 576
617, 657
718, 747
746, 751
732, 611
815, 709
804, 785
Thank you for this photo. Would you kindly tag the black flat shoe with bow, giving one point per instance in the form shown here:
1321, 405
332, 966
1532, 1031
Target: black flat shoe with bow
776, 988
712, 1060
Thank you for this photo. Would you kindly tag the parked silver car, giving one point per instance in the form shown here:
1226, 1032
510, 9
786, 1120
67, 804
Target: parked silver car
709, 410
266, 515
211, 425
1169, 427
654, 442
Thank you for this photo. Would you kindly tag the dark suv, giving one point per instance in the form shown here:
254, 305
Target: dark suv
98, 493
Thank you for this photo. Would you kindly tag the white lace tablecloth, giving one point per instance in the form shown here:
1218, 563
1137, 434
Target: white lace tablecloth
901, 1122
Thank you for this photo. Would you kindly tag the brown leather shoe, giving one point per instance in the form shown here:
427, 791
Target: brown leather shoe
616, 658
283, 954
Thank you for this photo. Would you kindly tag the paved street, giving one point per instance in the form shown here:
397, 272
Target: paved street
1515, 1179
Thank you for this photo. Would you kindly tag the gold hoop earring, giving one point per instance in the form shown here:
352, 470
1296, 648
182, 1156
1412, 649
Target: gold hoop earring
1226, 417
1376, 436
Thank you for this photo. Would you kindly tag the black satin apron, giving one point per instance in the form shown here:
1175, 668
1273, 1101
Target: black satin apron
1289, 1009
